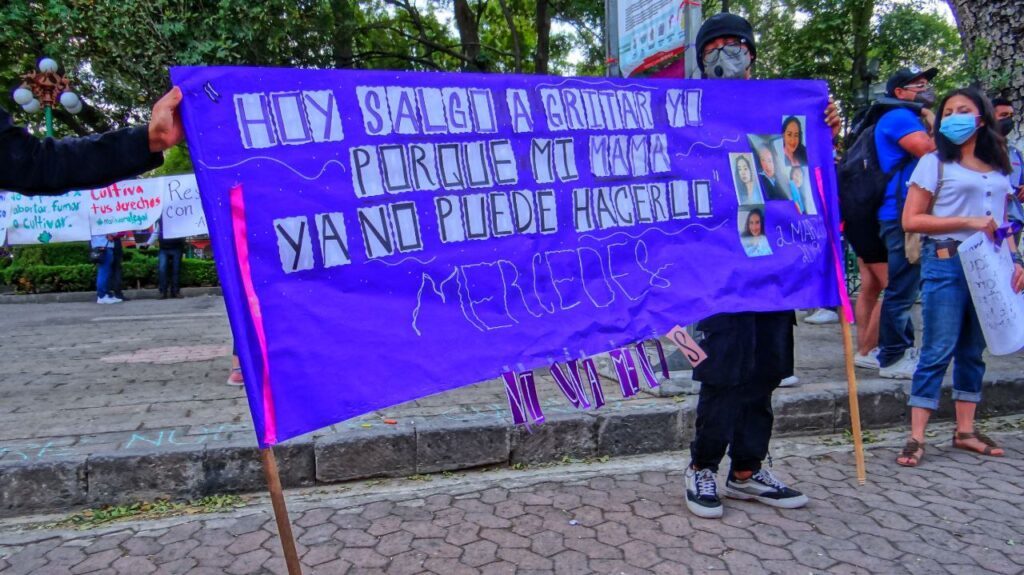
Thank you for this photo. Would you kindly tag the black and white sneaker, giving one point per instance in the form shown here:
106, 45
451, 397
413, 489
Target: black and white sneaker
702, 493
766, 488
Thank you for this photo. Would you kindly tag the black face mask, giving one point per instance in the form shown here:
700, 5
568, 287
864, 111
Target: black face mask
1006, 126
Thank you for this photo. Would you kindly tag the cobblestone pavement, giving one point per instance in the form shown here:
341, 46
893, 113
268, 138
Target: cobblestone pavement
80, 379
958, 513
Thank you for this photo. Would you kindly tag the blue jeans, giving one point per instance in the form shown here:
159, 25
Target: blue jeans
951, 331
169, 262
896, 328
103, 272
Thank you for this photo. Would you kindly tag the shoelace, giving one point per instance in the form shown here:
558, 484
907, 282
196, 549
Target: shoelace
766, 477
705, 483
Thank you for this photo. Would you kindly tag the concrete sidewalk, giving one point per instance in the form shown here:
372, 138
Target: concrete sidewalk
105, 404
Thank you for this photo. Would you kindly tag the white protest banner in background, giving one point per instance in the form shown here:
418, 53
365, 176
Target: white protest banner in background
989, 269
125, 206
5, 216
183, 211
652, 33
48, 219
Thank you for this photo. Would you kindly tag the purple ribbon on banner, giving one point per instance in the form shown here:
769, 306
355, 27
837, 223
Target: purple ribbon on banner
521, 390
661, 357
595, 382
1006, 230
645, 365
625, 370
571, 384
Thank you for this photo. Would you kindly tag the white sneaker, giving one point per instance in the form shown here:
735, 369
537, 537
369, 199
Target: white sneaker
766, 488
868, 361
822, 316
903, 368
702, 493
791, 381
107, 299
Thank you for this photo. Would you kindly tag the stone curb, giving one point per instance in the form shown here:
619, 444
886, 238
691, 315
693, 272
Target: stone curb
84, 296
430, 445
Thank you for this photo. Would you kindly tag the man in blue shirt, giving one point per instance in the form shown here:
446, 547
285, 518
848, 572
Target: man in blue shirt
901, 137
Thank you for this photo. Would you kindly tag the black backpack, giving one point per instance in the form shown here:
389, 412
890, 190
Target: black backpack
862, 181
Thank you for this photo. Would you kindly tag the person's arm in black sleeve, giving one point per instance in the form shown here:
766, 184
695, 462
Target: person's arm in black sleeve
47, 167
43, 167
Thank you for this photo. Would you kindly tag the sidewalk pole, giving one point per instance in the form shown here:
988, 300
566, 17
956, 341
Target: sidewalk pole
284, 526
851, 387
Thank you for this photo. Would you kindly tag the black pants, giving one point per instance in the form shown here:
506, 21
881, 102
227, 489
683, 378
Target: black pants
169, 269
748, 355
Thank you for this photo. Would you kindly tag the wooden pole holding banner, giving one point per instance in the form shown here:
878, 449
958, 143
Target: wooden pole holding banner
851, 387
284, 525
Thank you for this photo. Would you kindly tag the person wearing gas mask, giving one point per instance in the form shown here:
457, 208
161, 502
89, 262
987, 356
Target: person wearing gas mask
748, 353
901, 137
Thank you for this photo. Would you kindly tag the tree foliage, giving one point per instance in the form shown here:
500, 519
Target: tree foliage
118, 51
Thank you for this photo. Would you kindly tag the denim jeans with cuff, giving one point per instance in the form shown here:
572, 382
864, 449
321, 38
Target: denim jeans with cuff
951, 332
896, 328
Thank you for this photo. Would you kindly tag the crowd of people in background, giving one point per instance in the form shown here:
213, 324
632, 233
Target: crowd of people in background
107, 252
951, 173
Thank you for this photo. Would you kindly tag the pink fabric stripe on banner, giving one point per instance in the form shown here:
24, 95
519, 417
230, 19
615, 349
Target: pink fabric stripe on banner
834, 241
242, 249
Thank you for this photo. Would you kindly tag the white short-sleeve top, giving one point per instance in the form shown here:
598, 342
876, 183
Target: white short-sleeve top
964, 192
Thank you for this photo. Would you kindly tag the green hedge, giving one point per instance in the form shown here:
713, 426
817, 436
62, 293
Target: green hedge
52, 254
137, 269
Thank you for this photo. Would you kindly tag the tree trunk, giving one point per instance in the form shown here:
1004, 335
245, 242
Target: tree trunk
861, 14
543, 23
343, 39
517, 51
992, 27
469, 35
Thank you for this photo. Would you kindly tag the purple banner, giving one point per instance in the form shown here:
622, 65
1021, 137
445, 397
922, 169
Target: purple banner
400, 234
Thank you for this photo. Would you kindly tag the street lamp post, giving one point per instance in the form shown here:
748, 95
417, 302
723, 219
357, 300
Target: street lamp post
44, 89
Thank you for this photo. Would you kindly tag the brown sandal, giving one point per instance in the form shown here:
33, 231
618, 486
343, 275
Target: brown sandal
910, 453
990, 446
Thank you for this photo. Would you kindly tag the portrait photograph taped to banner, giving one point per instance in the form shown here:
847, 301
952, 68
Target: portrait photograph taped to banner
384, 236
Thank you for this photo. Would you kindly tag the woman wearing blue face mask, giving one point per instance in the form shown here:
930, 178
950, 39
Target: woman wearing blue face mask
955, 192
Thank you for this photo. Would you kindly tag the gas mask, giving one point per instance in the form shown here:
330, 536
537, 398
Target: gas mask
728, 65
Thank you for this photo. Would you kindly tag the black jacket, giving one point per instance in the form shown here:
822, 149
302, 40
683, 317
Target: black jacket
47, 167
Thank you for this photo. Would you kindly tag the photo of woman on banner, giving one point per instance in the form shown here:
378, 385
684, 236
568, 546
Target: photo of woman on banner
755, 243
748, 189
794, 152
798, 190
768, 167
